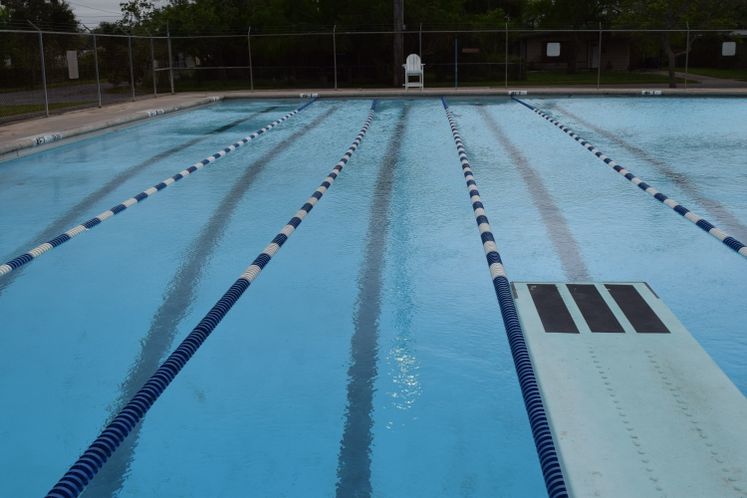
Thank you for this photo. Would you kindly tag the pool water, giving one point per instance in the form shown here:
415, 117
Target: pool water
387, 271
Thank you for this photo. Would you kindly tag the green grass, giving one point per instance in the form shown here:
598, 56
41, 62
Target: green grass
14, 110
730, 74
229, 84
550, 78
534, 78
561, 78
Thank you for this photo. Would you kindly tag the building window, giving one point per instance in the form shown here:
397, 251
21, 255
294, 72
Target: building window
553, 49
729, 49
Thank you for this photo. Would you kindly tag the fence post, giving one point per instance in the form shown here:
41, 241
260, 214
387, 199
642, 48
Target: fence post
687, 53
96, 67
599, 57
43, 67
153, 67
420, 41
334, 51
249, 46
505, 60
95, 63
456, 62
132, 68
171, 59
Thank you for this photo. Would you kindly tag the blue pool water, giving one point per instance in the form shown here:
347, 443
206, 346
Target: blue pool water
390, 259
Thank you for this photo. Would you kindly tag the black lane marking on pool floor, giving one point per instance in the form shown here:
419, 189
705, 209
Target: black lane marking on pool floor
594, 309
636, 309
175, 306
552, 311
354, 459
712, 206
85, 205
552, 217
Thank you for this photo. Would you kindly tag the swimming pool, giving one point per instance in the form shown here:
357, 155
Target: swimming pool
386, 274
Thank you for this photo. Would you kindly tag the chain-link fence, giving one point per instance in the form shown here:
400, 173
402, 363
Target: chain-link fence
46, 72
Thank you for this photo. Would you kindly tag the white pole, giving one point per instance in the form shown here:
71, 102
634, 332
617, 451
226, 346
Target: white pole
96, 66
153, 67
171, 59
95, 62
43, 68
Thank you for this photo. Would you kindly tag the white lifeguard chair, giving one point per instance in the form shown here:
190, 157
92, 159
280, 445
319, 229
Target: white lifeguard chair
413, 67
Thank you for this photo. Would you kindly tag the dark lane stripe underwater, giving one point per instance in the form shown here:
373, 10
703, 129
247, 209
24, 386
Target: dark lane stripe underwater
85, 205
555, 223
354, 459
176, 304
91, 461
712, 206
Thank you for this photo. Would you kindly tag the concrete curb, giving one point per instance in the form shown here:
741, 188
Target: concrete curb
14, 148
632, 91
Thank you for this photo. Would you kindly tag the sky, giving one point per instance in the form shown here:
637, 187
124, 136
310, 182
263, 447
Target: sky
92, 12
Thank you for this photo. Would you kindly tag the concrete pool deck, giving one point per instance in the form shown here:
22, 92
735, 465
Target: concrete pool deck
22, 137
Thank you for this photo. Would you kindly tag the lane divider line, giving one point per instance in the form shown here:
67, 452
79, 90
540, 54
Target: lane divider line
179, 294
543, 440
712, 206
729, 241
37, 251
75, 480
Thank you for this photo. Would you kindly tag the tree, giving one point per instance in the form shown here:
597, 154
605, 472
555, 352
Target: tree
112, 52
47, 14
678, 14
573, 14
135, 12
19, 64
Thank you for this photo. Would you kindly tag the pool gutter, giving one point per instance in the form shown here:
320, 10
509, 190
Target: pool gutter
38, 134
633, 91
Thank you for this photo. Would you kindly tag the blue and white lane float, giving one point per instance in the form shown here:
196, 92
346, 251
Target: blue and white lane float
83, 227
551, 469
93, 459
701, 222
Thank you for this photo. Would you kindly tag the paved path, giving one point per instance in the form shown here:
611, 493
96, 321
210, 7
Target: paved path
20, 135
67, 93
707, 81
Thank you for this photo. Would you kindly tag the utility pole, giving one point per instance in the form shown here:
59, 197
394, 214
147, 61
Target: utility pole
399, 45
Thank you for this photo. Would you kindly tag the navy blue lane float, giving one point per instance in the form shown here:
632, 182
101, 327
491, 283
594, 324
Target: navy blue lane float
78, 229
551, 470
678, 208
93, 459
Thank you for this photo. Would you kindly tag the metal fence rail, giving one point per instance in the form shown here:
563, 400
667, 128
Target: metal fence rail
42, 72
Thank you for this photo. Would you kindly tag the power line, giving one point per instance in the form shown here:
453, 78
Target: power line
93, 8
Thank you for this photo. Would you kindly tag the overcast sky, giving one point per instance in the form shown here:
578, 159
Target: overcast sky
92, 12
